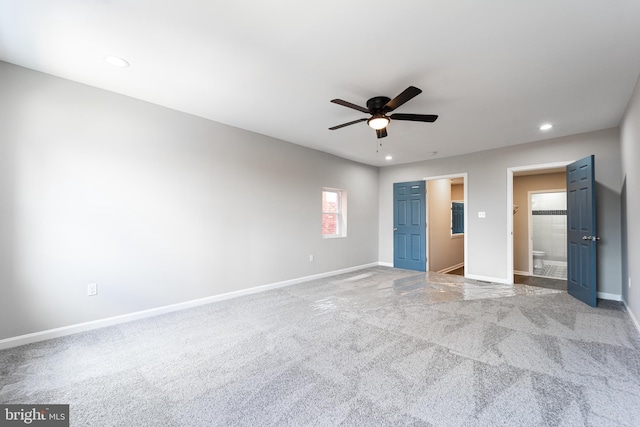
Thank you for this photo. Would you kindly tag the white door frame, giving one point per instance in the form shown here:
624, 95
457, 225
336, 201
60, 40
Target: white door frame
465, 188
509, 207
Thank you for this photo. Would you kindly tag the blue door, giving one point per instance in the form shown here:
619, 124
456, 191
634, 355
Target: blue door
457, 218
409, 226
581, 230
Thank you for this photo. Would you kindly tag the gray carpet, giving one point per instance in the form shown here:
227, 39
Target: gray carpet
375, 347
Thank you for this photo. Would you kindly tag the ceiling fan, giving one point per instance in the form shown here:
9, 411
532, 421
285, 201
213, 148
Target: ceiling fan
379, 106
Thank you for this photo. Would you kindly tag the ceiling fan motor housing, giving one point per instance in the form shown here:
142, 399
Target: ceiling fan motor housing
375, 104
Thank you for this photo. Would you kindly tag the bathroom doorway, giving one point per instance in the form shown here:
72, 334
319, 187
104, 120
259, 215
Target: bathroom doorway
521, 181
548, 233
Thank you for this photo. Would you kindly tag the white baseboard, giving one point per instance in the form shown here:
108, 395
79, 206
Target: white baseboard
110, 321
453, 267
608, 296
522, 273
386, 264
633, 318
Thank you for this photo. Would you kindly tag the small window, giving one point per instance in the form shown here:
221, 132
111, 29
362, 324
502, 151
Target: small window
334, 213
457, 218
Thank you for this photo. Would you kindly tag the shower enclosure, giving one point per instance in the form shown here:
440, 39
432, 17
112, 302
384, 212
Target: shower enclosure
549, 234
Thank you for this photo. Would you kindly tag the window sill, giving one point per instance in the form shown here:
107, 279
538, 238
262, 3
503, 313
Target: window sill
332, 236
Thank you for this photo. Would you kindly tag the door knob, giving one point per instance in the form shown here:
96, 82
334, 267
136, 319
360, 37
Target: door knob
395, 229
592, 238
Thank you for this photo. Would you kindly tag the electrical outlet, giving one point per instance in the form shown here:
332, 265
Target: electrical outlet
482, 214
92, 289
310, 257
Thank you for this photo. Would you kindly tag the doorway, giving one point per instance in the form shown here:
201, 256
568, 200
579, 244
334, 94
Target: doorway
521, 181
446, 223
548, 233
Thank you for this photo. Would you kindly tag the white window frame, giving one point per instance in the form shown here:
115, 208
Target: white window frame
341, 220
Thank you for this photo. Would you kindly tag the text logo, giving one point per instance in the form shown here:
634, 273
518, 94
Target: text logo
34, 415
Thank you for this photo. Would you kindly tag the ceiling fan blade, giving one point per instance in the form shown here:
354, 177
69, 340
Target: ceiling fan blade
381, 133
414, 117
405, 96
347, 124
350, 105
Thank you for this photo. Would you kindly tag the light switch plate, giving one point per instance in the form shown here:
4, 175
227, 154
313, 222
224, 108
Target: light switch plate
92, 289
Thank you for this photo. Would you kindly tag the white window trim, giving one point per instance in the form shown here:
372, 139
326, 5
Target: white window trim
342, 213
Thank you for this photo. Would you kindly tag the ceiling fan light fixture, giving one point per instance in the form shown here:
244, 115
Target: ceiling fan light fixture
379, 121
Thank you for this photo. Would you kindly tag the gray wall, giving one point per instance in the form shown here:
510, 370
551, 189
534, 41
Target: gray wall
487, 191
156, 206
630, 142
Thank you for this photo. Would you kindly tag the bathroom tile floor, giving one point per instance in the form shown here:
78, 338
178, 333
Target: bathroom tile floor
541, 282
555, 271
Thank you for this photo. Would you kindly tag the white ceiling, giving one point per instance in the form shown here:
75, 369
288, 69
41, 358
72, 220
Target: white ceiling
493, 70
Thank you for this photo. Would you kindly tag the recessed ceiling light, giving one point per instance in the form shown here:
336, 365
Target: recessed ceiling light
546, 126
116, 61
388, 158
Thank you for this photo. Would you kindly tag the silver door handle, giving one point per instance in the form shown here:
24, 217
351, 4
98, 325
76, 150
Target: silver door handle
592, 238
395, 229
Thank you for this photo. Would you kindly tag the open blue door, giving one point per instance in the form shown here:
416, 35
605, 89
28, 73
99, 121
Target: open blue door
581, 230
409, 226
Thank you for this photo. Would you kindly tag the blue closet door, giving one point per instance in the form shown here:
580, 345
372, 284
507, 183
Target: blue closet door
409, 225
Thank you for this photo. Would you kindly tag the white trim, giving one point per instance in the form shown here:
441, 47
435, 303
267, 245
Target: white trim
110, 321
489, 279
385, 264
427, 230
453, 267
522, 273
608, 296
510, 172
633, 318
529, 234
